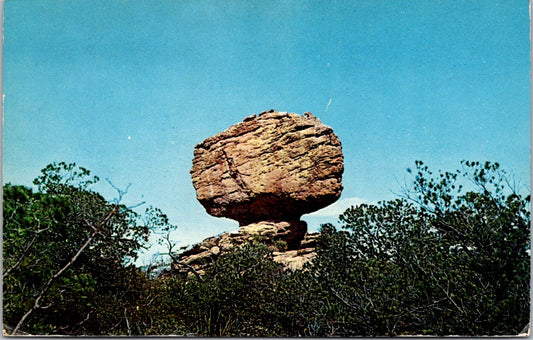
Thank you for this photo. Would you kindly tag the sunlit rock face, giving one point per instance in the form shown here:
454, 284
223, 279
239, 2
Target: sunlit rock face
205, 253
275, 166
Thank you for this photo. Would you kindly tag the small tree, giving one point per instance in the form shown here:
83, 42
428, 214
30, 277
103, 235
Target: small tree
453, 261
234, 296
65, 255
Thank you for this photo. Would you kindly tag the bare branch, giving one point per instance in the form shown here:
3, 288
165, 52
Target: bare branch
47, 285
120, 192
30, 244
191, 268
135, 206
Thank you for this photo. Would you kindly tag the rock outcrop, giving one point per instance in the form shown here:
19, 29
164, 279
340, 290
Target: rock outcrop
205, 253
275, 166
266, 172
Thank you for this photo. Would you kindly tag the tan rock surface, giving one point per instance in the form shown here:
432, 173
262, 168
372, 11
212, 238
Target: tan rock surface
203, 254
291, 232
294, 259
266, 172
272, 167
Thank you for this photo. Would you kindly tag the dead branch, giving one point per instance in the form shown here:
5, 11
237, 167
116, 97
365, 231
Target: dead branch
47, 285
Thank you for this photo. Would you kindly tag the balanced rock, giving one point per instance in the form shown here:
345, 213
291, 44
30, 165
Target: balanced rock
275, 166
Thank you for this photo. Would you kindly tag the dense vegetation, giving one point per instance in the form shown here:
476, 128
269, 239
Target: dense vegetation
450, 256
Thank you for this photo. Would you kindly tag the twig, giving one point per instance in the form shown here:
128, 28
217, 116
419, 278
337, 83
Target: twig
127, 322
9, 270
191, 268
121, 193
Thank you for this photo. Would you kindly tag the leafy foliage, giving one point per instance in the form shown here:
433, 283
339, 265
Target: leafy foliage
42, 233
450, 256
451, 263
230, 299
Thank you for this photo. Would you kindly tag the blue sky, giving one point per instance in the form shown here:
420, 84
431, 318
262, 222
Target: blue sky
127, 88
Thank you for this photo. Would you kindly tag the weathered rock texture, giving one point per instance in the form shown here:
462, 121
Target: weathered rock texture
276, 166
266, 172
205, 253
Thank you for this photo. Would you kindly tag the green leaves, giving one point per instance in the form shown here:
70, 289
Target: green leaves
451, 256
456, 261
235, 296
56, 177
43, 232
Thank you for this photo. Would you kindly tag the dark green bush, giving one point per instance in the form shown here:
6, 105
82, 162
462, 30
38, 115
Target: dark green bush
451, 256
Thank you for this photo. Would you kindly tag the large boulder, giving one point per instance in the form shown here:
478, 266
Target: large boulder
275, 166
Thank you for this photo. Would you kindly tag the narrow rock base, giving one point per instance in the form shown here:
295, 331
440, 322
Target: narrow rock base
290, 232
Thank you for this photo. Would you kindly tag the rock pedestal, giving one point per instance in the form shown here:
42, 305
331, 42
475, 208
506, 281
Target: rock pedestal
269, 170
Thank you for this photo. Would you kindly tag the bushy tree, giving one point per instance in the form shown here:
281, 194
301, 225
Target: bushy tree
451, 257
67, 255
232, 298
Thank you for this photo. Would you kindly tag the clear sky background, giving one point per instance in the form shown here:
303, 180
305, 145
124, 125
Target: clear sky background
127, 88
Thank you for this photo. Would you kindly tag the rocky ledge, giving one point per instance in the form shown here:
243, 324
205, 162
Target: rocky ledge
205, 253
